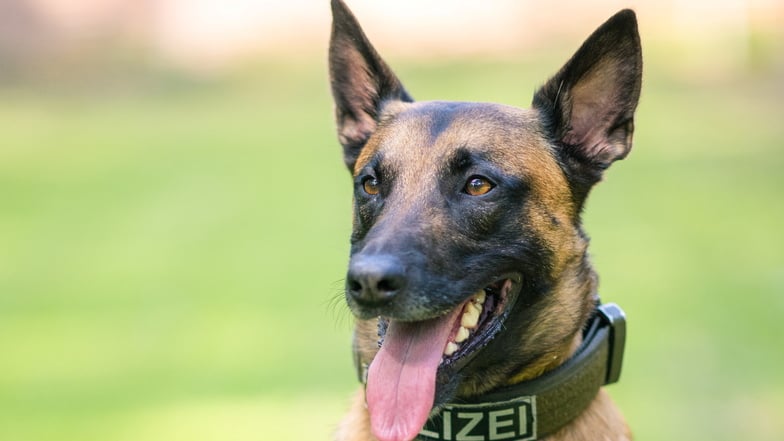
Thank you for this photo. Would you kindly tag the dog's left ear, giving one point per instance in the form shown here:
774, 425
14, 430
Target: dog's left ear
589, 104
361, 83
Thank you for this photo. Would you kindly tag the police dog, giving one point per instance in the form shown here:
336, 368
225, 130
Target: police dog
469, 269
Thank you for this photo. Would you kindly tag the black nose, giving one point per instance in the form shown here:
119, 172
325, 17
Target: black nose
374, 280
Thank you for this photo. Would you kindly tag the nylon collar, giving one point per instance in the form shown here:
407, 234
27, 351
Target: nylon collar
537, 408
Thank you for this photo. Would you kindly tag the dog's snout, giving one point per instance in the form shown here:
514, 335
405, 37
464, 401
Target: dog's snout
375, 280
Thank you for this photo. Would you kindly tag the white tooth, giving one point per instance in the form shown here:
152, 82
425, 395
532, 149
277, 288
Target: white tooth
470, 316
480, 296
462, 335
450, 348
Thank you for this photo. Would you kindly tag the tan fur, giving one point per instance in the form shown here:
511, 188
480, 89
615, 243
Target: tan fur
365, 342
355, 426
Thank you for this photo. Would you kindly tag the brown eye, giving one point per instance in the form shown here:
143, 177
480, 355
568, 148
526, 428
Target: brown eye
478, 185
370, 185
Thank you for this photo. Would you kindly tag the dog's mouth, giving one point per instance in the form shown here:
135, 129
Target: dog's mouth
414, 357
481, 318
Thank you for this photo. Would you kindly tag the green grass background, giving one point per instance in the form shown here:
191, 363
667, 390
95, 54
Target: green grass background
172, 252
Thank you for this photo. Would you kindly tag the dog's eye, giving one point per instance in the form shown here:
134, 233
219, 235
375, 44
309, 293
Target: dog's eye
478, 185
370, 185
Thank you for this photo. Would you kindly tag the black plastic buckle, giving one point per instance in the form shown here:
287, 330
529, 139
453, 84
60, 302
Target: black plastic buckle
613, 315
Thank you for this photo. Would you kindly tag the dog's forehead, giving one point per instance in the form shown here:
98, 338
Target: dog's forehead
431, 132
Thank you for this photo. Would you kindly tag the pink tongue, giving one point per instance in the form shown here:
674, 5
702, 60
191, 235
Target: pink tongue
402, 378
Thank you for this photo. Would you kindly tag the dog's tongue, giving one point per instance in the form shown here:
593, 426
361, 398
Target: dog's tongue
402, 377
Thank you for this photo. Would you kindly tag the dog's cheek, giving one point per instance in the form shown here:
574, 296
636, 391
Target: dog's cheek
485, 221
558, 233
495, 239
480, 221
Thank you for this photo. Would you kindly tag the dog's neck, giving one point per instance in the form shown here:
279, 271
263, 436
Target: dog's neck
576, 279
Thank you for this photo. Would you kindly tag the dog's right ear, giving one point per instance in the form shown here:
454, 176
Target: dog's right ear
361, 81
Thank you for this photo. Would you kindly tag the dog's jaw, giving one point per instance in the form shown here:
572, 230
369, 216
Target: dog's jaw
418, 362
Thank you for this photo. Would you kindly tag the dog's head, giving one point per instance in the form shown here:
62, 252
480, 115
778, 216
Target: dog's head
466, 237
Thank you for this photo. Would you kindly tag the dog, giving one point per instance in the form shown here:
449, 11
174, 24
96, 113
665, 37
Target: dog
475, 301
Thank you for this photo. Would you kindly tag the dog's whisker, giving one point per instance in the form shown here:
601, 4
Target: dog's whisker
337, 306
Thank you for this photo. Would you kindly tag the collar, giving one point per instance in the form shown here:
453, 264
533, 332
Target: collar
537, 408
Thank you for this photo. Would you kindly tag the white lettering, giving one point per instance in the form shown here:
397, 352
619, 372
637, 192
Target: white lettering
484, 424
524, 429
428, 433
495, 424
463, 434
447, 425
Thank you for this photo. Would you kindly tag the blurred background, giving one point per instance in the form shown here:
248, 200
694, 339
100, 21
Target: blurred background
174, 211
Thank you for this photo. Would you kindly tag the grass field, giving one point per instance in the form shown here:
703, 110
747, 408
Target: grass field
172, 254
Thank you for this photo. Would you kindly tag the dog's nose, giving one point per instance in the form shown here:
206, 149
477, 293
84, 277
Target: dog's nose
374, 280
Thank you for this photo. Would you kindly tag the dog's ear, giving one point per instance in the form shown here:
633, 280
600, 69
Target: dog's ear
361, 81
589, 104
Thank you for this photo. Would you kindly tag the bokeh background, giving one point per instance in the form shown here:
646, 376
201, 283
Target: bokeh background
174, 212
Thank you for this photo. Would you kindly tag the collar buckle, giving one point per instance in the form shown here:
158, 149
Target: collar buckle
614, 316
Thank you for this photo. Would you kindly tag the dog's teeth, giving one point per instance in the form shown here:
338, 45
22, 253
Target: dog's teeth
479, 297
470, 316
462, 335
450, 348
